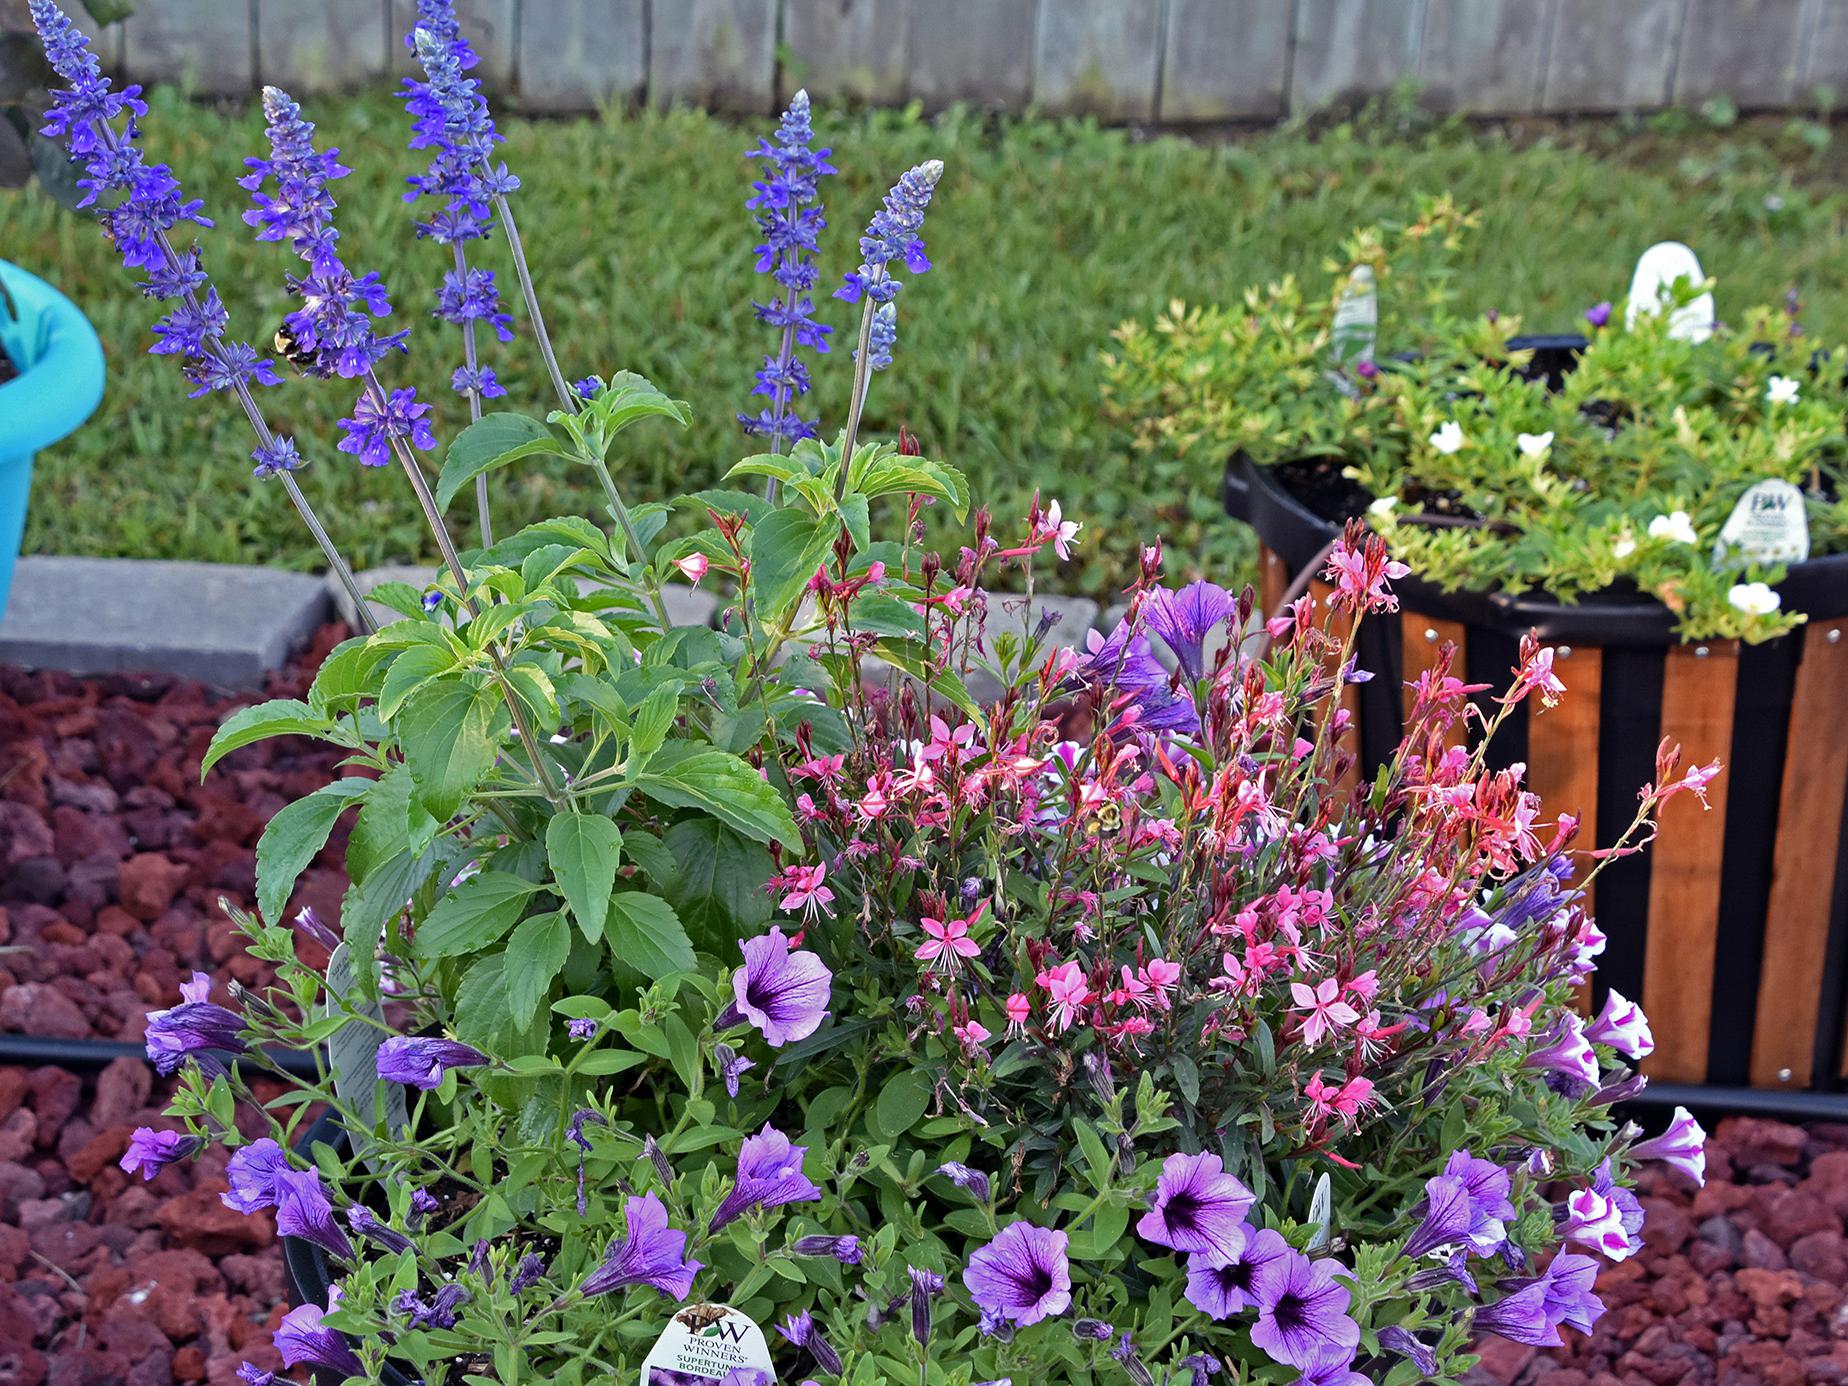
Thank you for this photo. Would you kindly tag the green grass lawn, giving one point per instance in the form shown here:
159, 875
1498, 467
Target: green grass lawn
1044, 236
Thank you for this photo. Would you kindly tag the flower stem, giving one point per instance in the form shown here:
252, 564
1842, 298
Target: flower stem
623, 518
862, 378
565, 396
474, 407
362, 614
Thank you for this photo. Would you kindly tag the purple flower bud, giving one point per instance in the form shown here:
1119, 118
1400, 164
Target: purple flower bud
303, 1341
800, 1329
971, 1181
652, 1152
1598, 314
422, 1205
1397, 1339
421, 1062
440, 1312
365, 1224
1683, 1146
1366, 369
309, 924
925, 1286
846, 1250
1201, 1368
150, 1151
199, 1030
1092, 1331
582, 1029
252, 1375
732, 1066
529, 1273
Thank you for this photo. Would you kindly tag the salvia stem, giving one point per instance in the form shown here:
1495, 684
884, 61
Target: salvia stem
362, 614
565, 395
474, 408
862, 378
630, 533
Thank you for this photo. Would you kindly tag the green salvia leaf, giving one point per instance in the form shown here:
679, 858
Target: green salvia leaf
473, 915
293, 837
584, 851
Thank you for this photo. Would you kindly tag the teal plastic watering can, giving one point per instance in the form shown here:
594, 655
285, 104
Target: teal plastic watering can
59, 384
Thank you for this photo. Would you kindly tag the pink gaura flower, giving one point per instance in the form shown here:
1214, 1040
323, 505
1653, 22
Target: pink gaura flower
949, 940
1346, 1101
693, 567
1018, 1008
1359, 569
1326, 1011
803, 890
1053, 528
1069, 991
972, 1033
1163, 977
1536, 674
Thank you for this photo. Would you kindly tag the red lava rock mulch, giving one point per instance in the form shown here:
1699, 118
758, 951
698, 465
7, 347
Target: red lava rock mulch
113, 856
1740, 1283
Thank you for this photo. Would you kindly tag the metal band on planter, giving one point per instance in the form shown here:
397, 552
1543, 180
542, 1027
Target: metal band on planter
1732, 929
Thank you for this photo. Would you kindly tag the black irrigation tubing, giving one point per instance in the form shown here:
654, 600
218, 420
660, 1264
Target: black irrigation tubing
82, 1055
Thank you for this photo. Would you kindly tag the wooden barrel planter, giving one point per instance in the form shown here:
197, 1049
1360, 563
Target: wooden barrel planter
1732, 929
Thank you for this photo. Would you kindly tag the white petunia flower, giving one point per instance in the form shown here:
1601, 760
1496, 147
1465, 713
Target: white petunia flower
1783, 389
1448, 438
1382, 508
1534, 444
1676, 526
1754, 598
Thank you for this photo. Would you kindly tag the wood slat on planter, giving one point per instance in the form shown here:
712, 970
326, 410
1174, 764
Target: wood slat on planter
1421, 638
1803, 869
1698, 690
1273, 579
1562, 753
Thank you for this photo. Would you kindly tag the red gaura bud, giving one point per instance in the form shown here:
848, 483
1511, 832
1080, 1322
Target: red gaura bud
908, 443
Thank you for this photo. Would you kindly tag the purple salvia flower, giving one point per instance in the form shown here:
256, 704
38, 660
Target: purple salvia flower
479, 381
925, 1286
450, 117
252, 1173
1023, 1275
1683, 1146
1401, 1341
651, 1254
303, 1210
1185, 619
1219, 1289
199, 1030
1490, 1209
150, 1151
366, 1224
893, 235
782, 993
334, 321
769, 1176
789, 218
1302, 1312
846, 1250
971, 1181
1448, 1216
1198, 1207
1520, 1317
588, 388
800, 1330
882, 337
369, 433
1598, 314
303, 1341
1623, 1026
420, 1062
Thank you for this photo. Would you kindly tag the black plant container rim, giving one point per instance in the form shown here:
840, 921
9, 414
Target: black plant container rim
305, 1264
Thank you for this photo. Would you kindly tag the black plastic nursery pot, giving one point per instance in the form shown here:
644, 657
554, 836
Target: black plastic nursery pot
1732, 928
309, 1275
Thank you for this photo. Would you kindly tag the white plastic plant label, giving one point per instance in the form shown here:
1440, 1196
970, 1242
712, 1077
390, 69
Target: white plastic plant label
352, 1053
702, 1343
1658, 267
1357, 318
1768, 525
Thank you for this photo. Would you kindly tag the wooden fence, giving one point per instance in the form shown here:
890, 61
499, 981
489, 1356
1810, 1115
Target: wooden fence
1173, 61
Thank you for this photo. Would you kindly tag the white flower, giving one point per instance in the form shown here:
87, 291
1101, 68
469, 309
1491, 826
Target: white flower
1382, 508
1448, 438
1623, 545
1754, 598
1534, 444
1677, 526
1782, 390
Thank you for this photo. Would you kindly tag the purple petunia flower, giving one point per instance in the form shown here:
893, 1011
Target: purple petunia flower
1591, 1219
303, 1210
252, 1375
252, 1174
1396, 1339
1198, 1207
1331, 1367
420, 1062
1023, 1274
304, 1341
527, 1274
1122, 662
1568, 1283
1598, 314
1520, 1317
439, 1312
1302, 1312
199, 1030
732, 1066
782, 993
150, 1151
1566, 1058
651, 1254
789, 218
1186, 618
1221, 1289
971, 1181
1448, 1216
800, 1330
308, 923
1623, 1026
369, 433
1683, 1146
1201, 1368
1490, 1209
769, 1176
366, 1224
422, 1205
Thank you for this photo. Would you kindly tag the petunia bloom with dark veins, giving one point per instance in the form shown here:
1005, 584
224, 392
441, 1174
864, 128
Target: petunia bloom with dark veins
651, 1254
1219, 1289
769, 1176
199, 1030
150, 1151
1198, 1207
1447, 1218
1185, 619
252, 1173
365, 1223
1023, 1275
420, 1061
303, 1340
783, 992
303, 1210
1302, 1312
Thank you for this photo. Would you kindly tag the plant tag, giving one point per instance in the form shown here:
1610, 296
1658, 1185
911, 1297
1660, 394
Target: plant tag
1768, 525
1321, 1213
702, 1343
352, 1054
1355, 328
1657, 268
